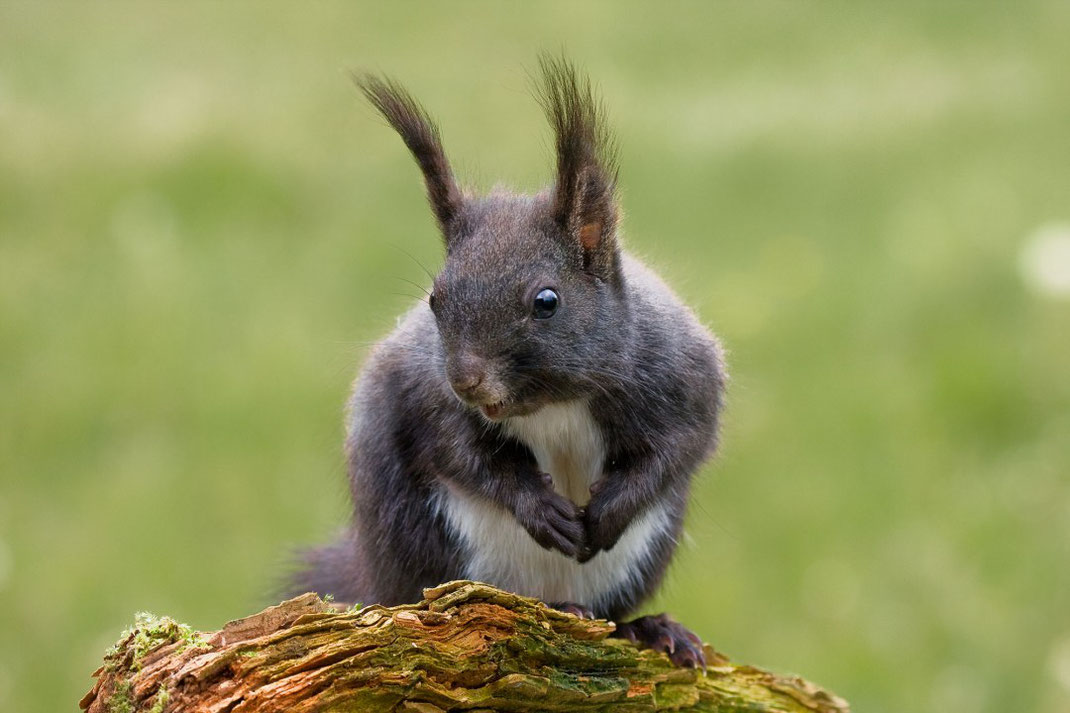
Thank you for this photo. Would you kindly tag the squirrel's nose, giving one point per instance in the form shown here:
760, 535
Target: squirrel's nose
466, 373
467, 382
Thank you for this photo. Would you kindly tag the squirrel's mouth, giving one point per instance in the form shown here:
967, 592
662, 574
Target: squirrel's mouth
493, 411
508, 408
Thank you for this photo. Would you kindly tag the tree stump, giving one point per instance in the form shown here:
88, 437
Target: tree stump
466, 647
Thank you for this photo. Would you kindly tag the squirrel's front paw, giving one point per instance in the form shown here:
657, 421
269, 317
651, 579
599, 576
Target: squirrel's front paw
552, 520
601, 529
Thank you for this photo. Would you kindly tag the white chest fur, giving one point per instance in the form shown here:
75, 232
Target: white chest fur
568, 445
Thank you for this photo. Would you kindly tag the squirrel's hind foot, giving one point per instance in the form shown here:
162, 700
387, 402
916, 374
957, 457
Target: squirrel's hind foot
661, 633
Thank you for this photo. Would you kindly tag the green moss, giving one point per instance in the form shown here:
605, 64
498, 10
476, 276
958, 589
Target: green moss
121, 700
162, 696
149, 632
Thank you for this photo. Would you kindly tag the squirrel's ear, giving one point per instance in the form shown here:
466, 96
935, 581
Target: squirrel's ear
584, 193
421, 135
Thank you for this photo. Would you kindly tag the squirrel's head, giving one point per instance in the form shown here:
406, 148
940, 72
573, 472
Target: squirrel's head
529, 302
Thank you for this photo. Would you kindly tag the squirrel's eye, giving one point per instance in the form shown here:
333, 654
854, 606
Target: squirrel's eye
545, 304
431, 301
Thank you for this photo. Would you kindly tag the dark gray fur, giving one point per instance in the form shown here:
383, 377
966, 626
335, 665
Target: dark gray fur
652, 375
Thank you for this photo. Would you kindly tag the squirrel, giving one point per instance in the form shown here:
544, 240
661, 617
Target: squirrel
537, 422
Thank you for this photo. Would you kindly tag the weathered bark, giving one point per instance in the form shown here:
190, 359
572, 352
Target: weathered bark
467, 646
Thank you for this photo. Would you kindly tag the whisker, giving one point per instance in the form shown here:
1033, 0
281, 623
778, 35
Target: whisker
417, 285
413, 258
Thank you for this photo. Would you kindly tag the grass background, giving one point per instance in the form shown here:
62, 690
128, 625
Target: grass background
201, 229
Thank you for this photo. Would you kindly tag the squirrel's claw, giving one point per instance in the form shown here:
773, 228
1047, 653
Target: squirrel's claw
661, 633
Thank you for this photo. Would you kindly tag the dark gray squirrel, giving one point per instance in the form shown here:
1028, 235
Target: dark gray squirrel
537, 422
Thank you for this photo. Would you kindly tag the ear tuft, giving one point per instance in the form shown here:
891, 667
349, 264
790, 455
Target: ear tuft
420, 134
584, 193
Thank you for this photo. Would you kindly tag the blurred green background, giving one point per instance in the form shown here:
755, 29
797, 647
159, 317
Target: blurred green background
202, 228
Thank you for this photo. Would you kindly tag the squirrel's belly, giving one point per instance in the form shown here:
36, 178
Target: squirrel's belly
567, 444
502, 553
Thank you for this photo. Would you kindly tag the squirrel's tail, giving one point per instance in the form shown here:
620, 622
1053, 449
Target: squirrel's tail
335, 570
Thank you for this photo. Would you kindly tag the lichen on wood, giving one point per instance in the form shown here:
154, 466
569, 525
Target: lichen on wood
466, 647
